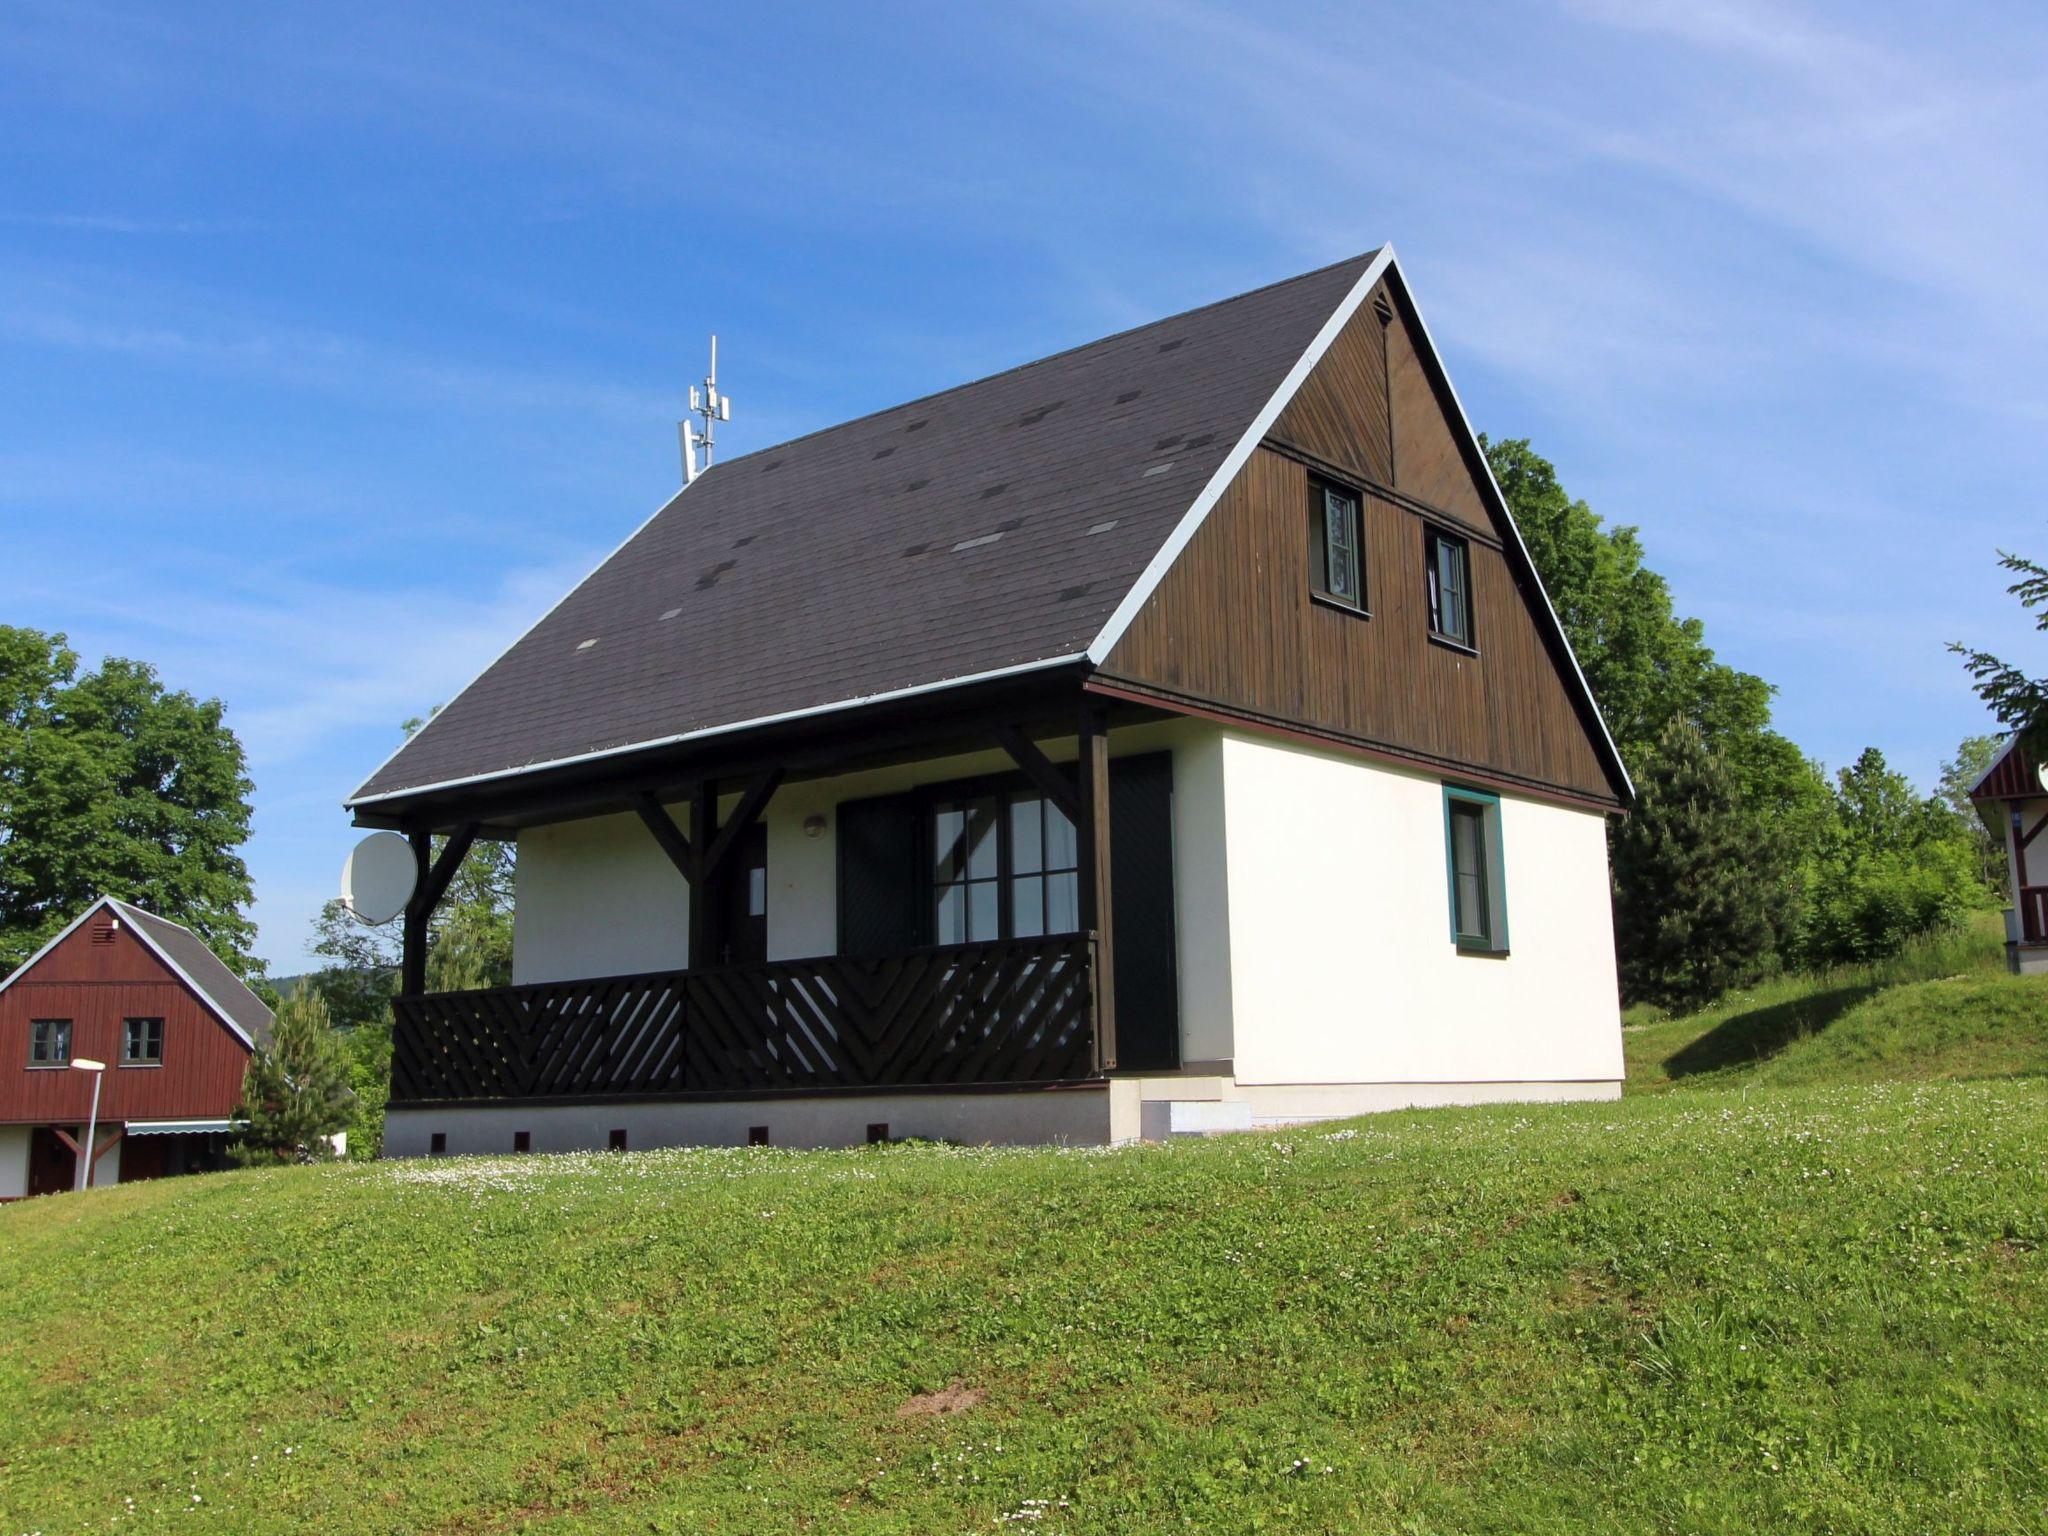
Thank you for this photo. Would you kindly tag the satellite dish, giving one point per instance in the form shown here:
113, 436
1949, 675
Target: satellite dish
378, 879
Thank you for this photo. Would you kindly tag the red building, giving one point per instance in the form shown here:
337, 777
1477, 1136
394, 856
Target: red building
174, 1026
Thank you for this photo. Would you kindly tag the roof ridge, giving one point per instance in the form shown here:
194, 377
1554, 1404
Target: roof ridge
1049, 357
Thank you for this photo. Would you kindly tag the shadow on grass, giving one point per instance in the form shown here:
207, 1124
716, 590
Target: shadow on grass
1746, 1038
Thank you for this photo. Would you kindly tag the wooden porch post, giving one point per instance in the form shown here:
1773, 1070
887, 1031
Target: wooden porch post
413, 964
432, 885
704, 912
1092, 834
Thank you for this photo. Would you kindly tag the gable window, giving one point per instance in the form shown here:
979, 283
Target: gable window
1336, 545
1450, 586
49, 1043
1005, 865
1473, 866
142, 1043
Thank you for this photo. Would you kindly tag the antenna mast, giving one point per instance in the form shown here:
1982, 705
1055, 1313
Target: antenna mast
714, 408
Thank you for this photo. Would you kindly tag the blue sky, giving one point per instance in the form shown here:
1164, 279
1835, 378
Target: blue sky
336, 341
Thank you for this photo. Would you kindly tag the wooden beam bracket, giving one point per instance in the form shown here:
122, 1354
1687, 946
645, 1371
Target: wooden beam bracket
1050, 778
668, 835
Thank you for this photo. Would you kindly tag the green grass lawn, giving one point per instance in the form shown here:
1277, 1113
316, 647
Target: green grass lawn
1813, 1309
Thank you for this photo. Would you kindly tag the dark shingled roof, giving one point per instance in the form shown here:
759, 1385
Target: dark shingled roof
220, 988
993, 526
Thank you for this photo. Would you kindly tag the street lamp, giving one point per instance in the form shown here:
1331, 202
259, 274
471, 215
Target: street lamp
98, 1069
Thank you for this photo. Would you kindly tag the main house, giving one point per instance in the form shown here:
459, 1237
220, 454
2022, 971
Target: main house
168, 1030
1170, 734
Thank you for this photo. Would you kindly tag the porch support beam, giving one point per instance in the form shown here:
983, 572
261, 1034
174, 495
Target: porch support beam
1052, 780
755, 800
1092, 829
435, 875
704, 943
668, 835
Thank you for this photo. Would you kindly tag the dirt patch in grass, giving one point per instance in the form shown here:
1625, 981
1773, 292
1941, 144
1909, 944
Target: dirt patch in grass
956, 1397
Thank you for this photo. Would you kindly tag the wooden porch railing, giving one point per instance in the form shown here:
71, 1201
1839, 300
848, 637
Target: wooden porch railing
2034, 914
1015, 1011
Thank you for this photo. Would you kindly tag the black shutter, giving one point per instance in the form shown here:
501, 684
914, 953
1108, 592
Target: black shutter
1141, 907
880, 912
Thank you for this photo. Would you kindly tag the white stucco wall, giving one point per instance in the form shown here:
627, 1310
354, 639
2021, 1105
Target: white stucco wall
1341, 966
13, 1161
596, 898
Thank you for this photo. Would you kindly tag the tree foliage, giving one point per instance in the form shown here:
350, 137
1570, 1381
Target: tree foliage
2020, 702
1695, 877
1973, 759
296, 1092
1894, 865
1648, 669
112, 784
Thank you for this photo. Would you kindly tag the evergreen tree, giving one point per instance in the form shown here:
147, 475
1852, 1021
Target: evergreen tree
1695, 878
296, 1093
2019, 701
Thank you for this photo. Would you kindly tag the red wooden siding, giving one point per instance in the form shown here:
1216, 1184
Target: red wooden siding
2012, 777
99, 986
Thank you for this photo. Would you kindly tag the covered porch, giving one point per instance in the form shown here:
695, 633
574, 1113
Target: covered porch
968, 941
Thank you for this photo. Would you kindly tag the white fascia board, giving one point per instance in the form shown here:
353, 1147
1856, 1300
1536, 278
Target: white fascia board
718, 730
212, 1003
69, 928
1155, 572
617, 549
1463, 423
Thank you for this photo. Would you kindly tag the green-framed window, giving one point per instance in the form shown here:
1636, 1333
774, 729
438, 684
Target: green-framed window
1475, 871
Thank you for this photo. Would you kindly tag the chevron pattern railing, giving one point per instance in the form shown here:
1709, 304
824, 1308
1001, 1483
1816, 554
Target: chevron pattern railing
1014, 1011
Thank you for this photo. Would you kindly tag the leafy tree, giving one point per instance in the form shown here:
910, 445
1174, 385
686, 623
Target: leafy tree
112, 784
1973, 759
1695, 874
2020, 702
295, 1093
1893, 866
1648, 667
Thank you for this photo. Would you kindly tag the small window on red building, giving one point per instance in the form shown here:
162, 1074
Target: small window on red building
49, 1043
142, 1043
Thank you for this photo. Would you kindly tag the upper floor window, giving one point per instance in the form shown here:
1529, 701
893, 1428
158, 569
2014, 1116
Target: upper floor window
1336, 540
142, 1043
49, 1043
1450, 586
1005, 865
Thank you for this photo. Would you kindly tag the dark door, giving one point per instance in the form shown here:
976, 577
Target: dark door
1141, 908
745, 895
52, 1168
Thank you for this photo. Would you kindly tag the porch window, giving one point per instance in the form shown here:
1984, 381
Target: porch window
1336, 544
1449, 579
1472, 862
49, 1043
1005, 865
142, 1043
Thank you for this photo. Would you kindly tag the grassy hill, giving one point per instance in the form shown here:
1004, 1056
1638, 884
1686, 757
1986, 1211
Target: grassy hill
1943, 1010
1815, 1309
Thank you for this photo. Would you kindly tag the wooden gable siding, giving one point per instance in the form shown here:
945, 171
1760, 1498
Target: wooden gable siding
99, 986
1233, 626
2012, 777
1341, 413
